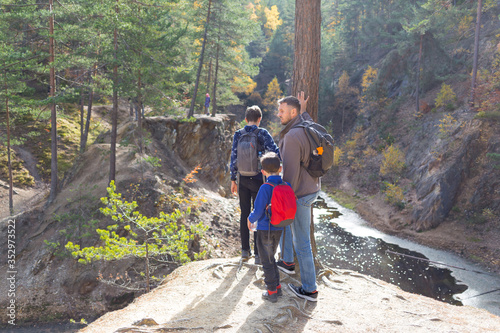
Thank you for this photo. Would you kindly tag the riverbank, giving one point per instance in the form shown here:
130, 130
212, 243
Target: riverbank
475, 244
225, 295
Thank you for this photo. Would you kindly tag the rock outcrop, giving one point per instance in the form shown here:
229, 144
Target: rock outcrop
225, 295
52, 286
439, 166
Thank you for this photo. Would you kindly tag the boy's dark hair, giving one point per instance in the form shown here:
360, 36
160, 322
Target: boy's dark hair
270, 162
253, 113
292, 101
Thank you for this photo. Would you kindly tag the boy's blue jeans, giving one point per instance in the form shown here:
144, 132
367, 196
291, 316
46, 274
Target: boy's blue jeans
298, 234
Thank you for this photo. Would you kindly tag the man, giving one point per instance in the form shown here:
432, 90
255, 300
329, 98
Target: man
295, 150
247, 186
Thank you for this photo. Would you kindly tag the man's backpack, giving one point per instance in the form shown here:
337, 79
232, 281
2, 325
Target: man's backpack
322, 149
281, 211
248, 148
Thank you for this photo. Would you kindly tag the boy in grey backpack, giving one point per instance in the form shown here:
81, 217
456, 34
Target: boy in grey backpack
246, 177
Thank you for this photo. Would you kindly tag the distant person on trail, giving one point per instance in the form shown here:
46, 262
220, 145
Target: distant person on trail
207, 104
295, 151
268, 235
249, 143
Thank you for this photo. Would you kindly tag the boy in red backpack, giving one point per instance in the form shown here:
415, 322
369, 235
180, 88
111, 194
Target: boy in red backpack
268, 235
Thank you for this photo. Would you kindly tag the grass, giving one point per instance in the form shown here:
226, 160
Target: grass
34, 133
343, 199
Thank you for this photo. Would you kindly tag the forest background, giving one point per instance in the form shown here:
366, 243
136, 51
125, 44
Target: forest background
408, 88
379, 60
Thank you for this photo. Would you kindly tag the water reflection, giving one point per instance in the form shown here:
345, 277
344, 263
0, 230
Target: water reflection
339, 248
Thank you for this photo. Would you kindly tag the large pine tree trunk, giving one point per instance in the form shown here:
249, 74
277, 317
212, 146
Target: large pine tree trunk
476, 53
53, 117
200, 65
306, 63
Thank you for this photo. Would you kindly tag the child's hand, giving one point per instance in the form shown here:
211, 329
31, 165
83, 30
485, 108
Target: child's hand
234, 188
249, 224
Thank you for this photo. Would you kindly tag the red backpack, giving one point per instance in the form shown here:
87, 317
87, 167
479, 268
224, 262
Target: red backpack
281, 211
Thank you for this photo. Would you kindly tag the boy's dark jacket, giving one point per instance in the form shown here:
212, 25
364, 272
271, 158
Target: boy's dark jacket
261, 201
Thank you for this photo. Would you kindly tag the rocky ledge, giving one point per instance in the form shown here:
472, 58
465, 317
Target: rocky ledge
225, 295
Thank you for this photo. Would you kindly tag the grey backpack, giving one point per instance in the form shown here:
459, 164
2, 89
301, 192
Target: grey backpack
322, 148
248, 149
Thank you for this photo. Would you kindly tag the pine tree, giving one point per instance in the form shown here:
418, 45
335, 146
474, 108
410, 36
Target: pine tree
272, 95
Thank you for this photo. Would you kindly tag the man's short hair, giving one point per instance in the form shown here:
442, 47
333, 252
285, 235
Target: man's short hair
253, 113
270, 162
292, 101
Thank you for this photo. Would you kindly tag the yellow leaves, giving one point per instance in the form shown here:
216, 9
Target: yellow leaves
243, 84
465, 24
272, 95
343, 83
368, 77
393, 161
446, 124
393, 193
337, 155
272, 18
445, 97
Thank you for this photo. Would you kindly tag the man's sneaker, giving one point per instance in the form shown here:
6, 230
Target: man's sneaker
245, 255
287, 267
257, 260
271, 296
299, 292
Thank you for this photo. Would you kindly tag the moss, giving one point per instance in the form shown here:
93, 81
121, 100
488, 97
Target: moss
20, 175
344, 199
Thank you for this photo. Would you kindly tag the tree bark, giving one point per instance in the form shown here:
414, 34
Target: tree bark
139, 117
82, 113
83, 142
306, 63
214, 94
114, 112
53, 114
418, 74
200, 65
9, 163
476, 53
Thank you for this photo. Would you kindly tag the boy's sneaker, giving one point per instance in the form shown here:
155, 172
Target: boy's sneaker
257, 260
287, 267
299, 292
245, 255
280, 292
271, 296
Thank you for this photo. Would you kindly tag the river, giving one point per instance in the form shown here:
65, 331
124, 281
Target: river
346, 241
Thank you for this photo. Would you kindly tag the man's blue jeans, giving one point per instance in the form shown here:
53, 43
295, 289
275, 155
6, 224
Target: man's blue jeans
300, 232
